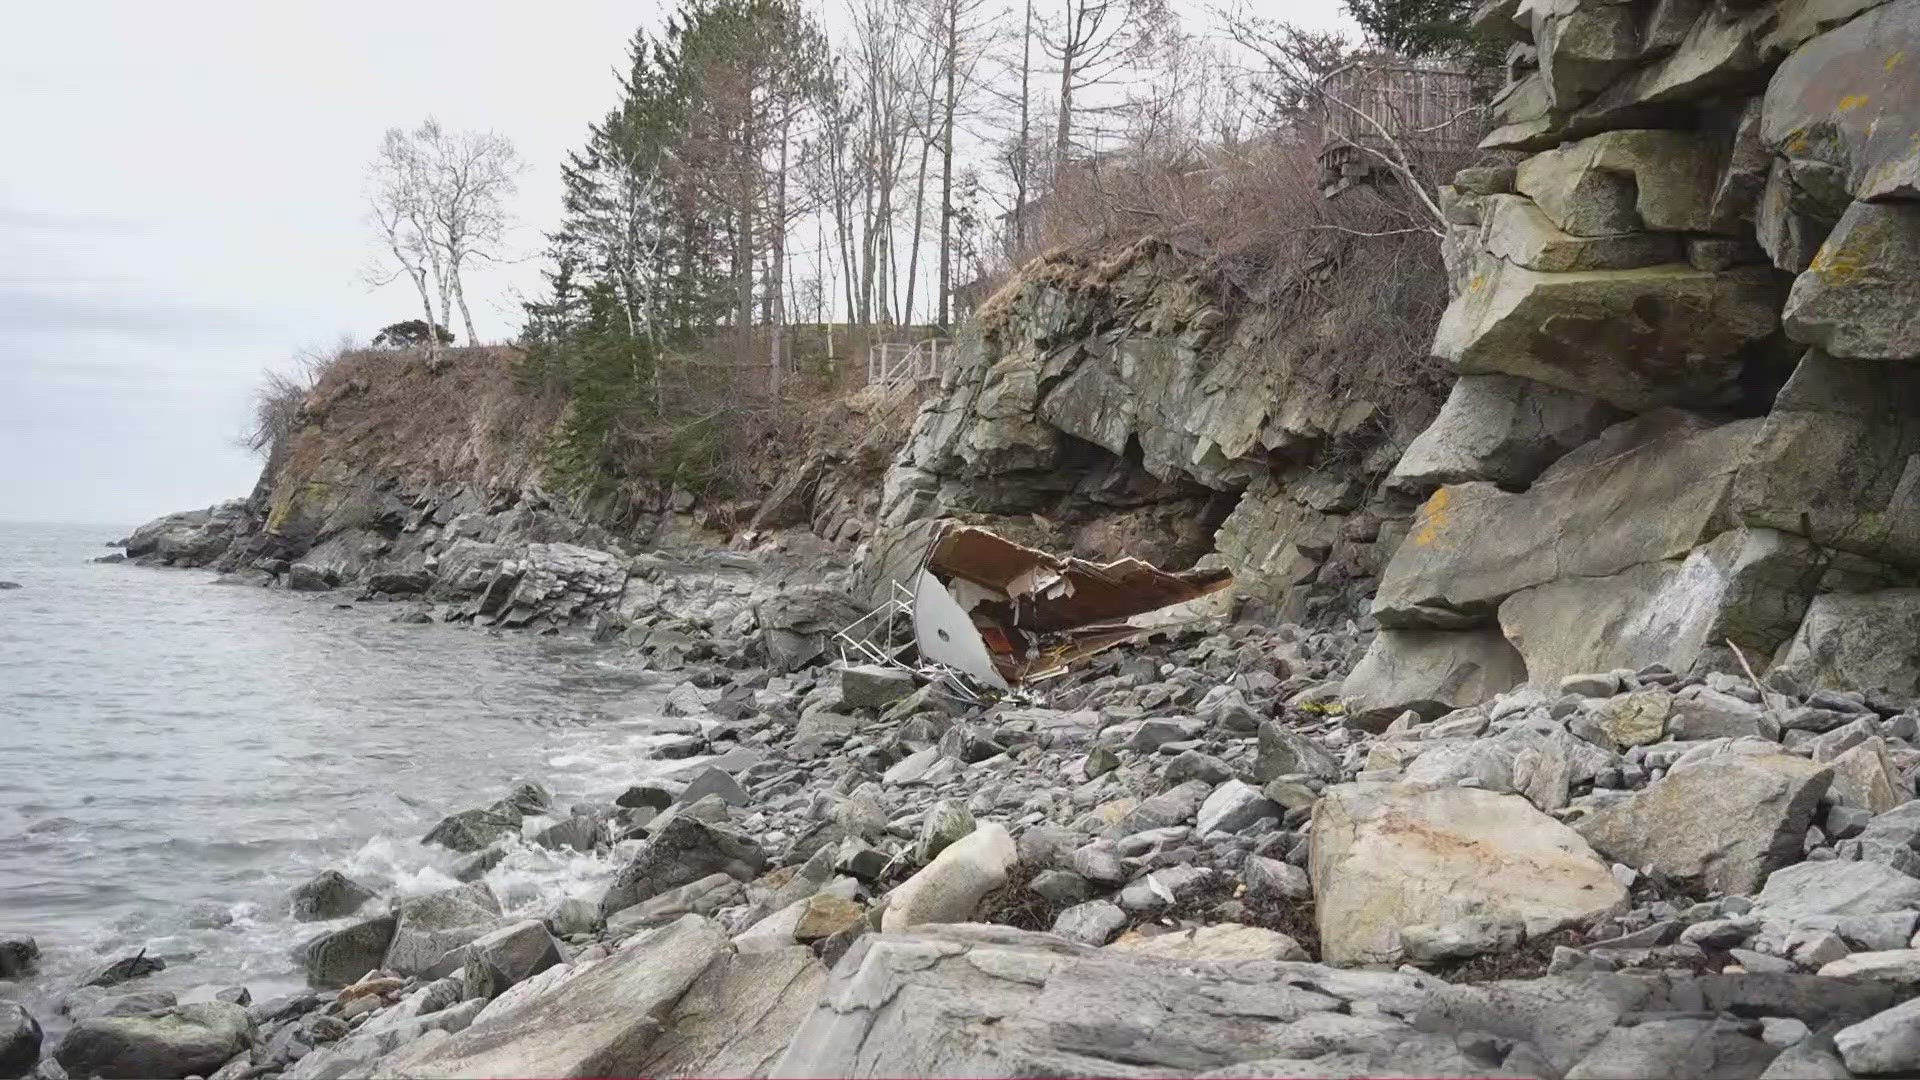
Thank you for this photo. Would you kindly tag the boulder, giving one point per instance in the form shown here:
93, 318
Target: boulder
1635, 339
1674, 1048
1649, 489
1283, 750
186, 1040
870, 686
1835, 456
1432, 672
600, 1020
305, 577
1885, 1043
500, 959
1860, 298
1583, 47
1721, 823
19, 955
192, 537
1845, 98
471, 830
679, 853
1091, 923
1426, 944
19, 1041
342, 956
1751, 586
125, 969
1863, 640
1865, 777
433, 930
328, 895
1814, 890
1800, 203
951, 887
797, 625
1387, 856
1500, 429
1234, 806
1626, 182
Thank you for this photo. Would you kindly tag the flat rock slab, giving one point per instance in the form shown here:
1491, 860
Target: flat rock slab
1647, 489
1386, 856
601, 1021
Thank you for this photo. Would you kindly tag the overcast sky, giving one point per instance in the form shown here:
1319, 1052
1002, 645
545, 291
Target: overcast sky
181, 209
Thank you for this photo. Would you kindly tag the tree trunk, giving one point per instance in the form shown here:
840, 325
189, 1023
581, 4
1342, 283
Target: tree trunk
1063, 139
1023, 153
777, 274
419, 276
460, 297
919, 225
946, 161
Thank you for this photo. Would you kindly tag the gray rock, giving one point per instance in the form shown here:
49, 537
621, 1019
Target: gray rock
870, 686
135, 1004
1384, 857
1062, 1009
712, 781
19, 1040
19, 955
1724, 823
1194, 765
328, 895
947, 821
679, 853
127, 968
471, 830
703, 897
951, 887
1428, 671
1864, 777
1814, 108
1091, 923
1499, 428
1162, 889
1836, 888
496, 961
1098, 863
1646, 490
1830, 456
1646, 338
1675, 1048
600, 1021
1173, 807
575, 833
432, 930
1233, 806
1886, 1043
1284, 751
1272, 879
736, 1018
179, 1042
1857, 298
1060, 886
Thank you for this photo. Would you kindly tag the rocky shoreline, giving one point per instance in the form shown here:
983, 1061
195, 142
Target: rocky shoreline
1188, 859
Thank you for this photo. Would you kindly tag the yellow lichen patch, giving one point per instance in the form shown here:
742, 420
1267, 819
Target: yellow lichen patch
1895, 60
1852, 102
1433, 517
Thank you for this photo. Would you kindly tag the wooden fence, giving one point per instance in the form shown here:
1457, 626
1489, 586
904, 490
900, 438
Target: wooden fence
1373, 103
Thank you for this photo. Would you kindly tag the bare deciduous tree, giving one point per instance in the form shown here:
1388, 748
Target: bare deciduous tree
438, 200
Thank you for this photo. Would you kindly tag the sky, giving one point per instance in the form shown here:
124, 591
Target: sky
181, 209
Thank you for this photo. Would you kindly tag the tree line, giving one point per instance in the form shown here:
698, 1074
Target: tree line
759, 178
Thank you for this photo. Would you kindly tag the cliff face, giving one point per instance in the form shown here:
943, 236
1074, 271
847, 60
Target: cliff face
1129, 405
1709, 253
1683, 424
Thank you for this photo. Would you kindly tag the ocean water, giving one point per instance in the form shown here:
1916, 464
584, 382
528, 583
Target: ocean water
176, 755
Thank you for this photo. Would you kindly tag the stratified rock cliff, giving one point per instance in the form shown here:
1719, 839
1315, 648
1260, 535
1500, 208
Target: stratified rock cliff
1712, 248
1134, 406
1683, 423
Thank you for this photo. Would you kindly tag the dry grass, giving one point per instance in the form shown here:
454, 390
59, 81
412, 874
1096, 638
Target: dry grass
385, 410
